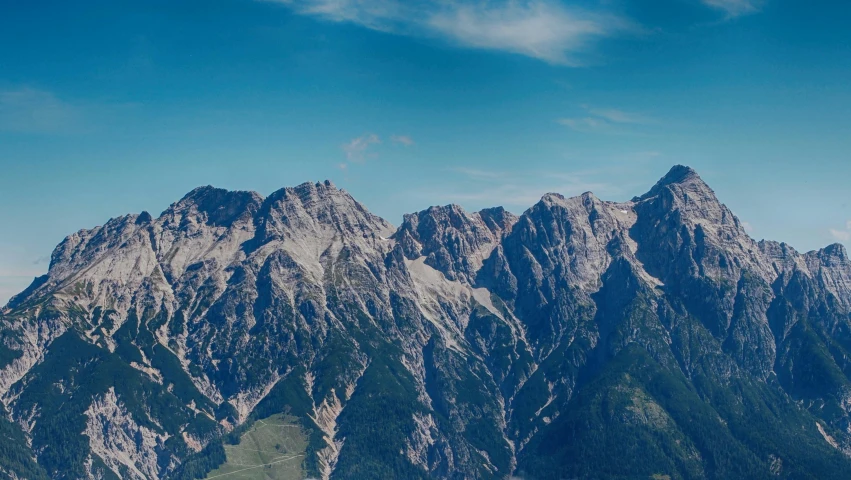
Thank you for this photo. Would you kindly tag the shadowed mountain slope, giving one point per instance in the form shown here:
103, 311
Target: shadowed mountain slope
582, 339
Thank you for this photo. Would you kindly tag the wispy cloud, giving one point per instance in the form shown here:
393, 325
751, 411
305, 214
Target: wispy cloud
584, 124
735, 8
30, 273
604, 120
518, 189
14, 280
842, 235
543, 29
361, 148
404, 140
476, 173
618, 116
29, 110
356, 149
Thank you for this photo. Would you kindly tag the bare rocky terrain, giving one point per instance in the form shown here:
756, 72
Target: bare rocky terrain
582, 339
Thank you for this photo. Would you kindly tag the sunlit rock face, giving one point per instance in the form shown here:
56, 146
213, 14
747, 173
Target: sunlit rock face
582, 339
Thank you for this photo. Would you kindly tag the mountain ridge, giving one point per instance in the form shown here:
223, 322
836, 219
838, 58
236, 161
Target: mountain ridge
488, 344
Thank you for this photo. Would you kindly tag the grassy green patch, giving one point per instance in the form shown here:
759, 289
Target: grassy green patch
272, 449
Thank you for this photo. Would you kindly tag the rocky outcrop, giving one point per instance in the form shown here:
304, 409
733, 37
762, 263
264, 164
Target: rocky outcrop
121, 443
453, 241
485, 344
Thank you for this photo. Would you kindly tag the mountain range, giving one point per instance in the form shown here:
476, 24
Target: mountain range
652, 338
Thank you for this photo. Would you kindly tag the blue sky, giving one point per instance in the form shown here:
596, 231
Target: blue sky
114, 107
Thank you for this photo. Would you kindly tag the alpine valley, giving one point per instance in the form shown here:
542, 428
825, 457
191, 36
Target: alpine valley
649, 339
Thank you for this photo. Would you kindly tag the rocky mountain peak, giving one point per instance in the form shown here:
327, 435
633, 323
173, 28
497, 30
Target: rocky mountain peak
454, 241
216, 206
475, 337
585, 201
679, 174
684, 197
550, 199
682, 214
681, 185
314, 190
318, 206
498, 219
832, 267
834, 253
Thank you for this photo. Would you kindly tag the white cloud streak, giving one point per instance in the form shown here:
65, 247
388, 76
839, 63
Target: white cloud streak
584, 124
735, 8
356, 149
603, 120
543, 29
475, 173
618, 116
842, 235
518, 190
14, 280
29, 110
403, 140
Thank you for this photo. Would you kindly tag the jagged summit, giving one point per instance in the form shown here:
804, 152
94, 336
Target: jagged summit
498, 219
680, 179
454, 241
836, 251
486, 345
216, 206
679, 174
316, 207
208, 194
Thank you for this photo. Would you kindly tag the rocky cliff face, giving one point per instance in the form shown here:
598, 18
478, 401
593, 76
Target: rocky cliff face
584, 338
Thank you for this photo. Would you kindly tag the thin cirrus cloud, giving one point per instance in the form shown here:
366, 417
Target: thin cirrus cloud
356, 149
735, 8
518, 190
403, 140
13, 280
478, 174
618, 116
604, 120
542, 29
30, 110
359, 149
842, 235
